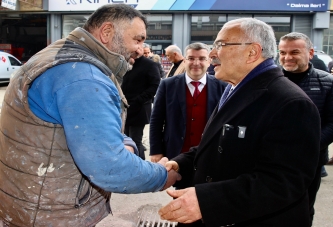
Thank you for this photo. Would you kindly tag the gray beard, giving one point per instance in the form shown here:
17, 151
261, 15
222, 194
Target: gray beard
118, 45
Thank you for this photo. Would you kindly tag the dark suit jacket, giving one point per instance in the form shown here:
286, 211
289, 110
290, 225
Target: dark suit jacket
139, 87
168, 119
261, 179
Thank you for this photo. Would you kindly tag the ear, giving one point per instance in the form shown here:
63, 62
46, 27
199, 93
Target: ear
254, 53
311, 53
106, 32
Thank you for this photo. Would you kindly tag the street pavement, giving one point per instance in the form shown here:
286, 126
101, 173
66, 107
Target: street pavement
127, 208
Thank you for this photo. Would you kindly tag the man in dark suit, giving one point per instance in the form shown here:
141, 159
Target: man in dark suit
257, 156
139, 87
178, 117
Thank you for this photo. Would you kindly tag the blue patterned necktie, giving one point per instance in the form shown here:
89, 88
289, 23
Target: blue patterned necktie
227, 91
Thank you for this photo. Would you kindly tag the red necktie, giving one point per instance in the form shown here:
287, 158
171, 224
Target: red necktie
196, 90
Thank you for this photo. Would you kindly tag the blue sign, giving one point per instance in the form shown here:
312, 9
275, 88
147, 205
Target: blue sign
197, 5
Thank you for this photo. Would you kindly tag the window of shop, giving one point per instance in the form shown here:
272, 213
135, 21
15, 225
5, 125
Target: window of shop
205, 27
70, 22
328, 39
159, 32
25, 34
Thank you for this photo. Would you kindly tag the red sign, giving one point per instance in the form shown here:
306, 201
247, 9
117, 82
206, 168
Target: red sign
3, 59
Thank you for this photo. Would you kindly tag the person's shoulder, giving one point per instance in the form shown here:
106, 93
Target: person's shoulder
213, 78
173, 79
321, 75
71, 72
147, 60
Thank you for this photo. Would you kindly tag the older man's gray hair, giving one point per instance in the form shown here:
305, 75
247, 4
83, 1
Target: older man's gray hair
259, 32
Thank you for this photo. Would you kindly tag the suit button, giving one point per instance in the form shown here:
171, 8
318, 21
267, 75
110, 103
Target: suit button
209, 179
220, 149
195, 167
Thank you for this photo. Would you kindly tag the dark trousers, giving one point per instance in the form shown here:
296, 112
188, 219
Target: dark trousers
136, 133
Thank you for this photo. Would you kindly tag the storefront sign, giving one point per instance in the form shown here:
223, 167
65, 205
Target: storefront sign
9, 4
243, 5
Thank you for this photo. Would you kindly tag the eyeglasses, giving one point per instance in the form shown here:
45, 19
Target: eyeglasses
218, 45
200, 59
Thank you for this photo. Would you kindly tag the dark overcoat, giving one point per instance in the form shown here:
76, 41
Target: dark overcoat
257, 156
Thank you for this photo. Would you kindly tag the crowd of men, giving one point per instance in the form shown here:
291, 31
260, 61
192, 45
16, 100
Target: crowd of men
243, 147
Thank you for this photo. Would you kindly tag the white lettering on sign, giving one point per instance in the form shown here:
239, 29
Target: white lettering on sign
9, 4
299, 5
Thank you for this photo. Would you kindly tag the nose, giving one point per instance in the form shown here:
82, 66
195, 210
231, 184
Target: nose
213, 53
196, 61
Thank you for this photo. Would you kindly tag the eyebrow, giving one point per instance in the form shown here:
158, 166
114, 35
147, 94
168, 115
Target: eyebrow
201, 56
220, 40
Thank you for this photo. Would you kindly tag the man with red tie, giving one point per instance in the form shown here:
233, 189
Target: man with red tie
183, 105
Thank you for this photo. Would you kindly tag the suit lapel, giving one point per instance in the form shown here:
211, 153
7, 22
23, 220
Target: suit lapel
241, 99
212, 98
167, 75
180, 69
180, 89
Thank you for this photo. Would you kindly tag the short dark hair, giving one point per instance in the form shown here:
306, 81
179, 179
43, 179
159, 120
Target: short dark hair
197, 46
296, 36
115, 13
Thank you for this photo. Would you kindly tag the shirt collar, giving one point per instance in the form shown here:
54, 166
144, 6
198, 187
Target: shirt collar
203, 79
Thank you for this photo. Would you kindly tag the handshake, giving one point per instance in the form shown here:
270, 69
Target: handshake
172, 168
184, 207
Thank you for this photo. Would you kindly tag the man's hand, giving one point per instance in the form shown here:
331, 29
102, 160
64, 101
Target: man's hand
184, 209
172, 165
163, 161
129, 148
156, 157
173, 176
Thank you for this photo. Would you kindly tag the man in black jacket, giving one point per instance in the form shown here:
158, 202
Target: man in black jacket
139, 87
296, 50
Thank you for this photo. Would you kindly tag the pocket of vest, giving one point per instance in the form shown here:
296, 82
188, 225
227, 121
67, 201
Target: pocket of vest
83, 193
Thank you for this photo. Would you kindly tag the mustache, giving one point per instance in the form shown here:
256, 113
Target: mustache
215, 61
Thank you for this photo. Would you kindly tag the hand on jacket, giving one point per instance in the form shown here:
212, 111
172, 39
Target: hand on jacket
173, 176
184, 208
156, 157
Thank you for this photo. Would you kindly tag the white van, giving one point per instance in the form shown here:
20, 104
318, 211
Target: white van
8, 65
